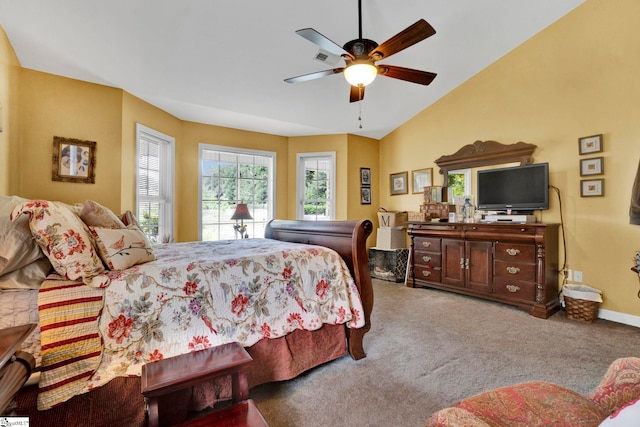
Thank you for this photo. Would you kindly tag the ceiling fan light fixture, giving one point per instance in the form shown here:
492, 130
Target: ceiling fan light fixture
360, 74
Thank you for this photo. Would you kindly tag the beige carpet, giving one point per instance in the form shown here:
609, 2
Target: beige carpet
428, 349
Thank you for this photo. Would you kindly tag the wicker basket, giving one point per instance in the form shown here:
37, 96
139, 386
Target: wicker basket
579, 309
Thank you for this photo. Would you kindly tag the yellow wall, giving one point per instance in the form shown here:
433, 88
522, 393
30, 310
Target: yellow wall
56, 106
577, 78
9, 84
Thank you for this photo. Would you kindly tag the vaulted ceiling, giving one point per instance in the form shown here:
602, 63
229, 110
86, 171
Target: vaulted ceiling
224, 62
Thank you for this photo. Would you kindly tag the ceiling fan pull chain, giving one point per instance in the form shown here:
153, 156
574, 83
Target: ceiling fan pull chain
360, 112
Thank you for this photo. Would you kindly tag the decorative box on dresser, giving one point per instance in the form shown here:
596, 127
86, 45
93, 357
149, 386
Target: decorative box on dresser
514, 264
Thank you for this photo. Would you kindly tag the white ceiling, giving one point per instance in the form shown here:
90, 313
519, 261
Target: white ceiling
223, 62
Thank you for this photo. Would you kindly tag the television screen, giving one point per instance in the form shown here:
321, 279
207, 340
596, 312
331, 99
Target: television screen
520, 188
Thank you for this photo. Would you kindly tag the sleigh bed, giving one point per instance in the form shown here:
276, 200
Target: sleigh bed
98, 326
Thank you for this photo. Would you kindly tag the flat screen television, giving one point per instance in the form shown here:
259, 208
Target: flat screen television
521, 189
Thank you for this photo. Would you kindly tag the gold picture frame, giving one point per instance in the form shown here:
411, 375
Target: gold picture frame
590, 144
592, 188
398, 183
421, 179
592, 166
73, 160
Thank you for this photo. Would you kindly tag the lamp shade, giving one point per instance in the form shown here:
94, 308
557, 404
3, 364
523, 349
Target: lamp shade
360, 74
242, 212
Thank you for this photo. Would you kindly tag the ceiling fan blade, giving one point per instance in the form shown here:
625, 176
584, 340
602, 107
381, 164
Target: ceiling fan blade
315, 37
313, 76
407, 74
405, 38
356, 93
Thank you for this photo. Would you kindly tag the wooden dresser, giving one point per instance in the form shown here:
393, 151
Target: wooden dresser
514, 264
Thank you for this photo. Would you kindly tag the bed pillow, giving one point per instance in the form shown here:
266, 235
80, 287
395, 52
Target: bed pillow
30, 276
128, 218
122, 248
64, 239
95, 215
17, 246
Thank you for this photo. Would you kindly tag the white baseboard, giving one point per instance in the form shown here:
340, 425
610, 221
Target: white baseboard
615, 316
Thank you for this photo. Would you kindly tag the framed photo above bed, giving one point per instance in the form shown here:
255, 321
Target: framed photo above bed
73, 160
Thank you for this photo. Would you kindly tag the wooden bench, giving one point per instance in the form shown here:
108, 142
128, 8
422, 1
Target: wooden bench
186, 370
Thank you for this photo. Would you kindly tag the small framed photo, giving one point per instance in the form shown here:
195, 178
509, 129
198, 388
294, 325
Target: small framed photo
592, 188
594, 166
421, 178
365, 176
74, 160
398, 183
365, 195
590, 144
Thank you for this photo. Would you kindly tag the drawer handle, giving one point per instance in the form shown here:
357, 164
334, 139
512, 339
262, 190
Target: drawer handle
426, 273
512, 251
513, 270
513, 288
426, 244
426, 258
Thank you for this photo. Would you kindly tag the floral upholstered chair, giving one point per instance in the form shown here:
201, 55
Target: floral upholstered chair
615, 400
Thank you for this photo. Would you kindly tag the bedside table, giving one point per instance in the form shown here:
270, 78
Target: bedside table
15, 366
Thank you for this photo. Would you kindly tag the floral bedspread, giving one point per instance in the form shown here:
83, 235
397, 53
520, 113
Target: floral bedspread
202, 294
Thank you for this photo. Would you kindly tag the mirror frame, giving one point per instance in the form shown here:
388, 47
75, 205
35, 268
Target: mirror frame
485, 153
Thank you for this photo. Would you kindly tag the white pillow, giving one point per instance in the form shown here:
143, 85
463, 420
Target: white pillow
122, 248
626, 416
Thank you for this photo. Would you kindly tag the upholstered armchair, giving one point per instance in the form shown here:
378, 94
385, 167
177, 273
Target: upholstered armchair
542, 403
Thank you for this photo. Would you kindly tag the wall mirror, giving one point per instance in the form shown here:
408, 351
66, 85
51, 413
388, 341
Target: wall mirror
481, 154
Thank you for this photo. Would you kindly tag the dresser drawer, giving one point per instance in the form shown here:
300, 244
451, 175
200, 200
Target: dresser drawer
514, 270
424, 272
426, 244
515, 252
511, 288
431, 259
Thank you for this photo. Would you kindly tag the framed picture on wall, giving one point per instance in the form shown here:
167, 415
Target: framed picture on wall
421, 178
398, 183
365, 195
593, 166
590, 144
74, 160
592, 188
365, 176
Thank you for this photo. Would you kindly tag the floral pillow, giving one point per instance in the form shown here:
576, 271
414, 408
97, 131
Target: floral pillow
95, 215
64, 239
122, 248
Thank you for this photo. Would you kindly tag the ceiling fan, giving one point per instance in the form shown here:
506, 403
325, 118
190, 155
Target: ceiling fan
360, 56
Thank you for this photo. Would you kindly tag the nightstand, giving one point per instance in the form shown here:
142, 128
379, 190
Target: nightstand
15, 366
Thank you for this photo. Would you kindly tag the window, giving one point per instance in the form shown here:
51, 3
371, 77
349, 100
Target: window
315, 189
458, 184
229, 176
154, 183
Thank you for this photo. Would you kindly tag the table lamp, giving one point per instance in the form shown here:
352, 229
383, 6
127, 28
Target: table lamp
241, 213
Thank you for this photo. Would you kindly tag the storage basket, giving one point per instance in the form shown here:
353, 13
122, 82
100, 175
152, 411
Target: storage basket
580, 309
581, 302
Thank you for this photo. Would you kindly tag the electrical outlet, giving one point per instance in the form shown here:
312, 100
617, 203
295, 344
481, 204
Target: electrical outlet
569, 275
577, 276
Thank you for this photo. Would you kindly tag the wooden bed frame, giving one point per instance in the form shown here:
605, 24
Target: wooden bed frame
347, 238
